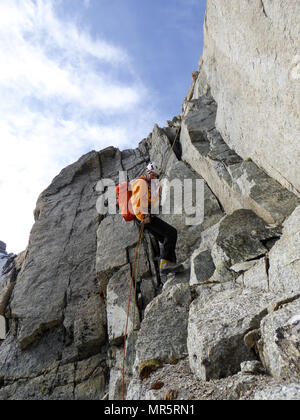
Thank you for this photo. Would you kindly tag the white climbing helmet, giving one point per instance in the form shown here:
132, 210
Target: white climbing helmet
152, 168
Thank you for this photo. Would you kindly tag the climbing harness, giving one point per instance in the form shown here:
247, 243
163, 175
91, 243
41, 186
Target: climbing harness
129, 301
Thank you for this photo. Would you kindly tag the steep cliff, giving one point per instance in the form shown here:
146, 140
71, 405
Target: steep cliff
227, 327
251, 66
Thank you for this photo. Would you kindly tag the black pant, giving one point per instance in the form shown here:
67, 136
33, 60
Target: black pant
165, 234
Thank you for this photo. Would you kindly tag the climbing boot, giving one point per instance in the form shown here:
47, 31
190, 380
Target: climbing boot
167, 267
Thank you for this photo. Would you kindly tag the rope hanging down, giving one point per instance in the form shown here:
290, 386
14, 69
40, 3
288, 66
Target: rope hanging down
128, 308
170, 152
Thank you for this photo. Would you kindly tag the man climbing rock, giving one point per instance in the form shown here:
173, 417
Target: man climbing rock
144, 199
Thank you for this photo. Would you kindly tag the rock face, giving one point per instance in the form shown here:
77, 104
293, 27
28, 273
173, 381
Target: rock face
7, 282
280, 341
163, 333
226, 326
250, 65
237, 183
284, 258
217, 328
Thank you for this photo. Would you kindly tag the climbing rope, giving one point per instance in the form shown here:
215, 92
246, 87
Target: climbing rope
170, 151
128, 308
177, 133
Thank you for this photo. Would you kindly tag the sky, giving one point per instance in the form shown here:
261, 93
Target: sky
82, 75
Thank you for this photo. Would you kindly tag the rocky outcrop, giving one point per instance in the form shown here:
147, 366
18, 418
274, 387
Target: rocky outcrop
279, 338
8, 274
226, 326
63, 241
284, 258
250, 65
3, 255
237, 183
217, 328
163, 333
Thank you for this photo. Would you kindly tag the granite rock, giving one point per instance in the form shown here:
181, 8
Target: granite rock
250, 65
237, 183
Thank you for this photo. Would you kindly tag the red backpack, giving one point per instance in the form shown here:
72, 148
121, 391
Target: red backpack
123, 194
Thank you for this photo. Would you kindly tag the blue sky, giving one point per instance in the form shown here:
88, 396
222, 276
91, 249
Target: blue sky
81, 75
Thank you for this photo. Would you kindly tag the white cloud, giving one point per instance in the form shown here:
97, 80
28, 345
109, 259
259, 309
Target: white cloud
57, 102
41, 56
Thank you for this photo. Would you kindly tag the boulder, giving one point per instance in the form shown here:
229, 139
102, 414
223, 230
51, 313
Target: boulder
257, 276
241, 237
279, 345
216, 329
284, 260
233, 245
254, 367
163, 332
202, 267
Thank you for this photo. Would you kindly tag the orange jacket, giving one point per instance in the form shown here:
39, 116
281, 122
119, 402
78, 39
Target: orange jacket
141, 197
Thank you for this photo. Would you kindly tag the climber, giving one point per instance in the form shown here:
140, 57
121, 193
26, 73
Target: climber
145, 196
